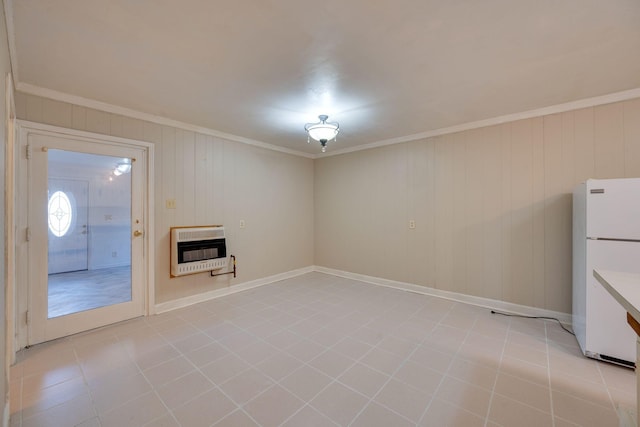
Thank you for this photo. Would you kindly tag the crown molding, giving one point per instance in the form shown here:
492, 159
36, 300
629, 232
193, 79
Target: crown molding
114, 109
123, 111
545, 111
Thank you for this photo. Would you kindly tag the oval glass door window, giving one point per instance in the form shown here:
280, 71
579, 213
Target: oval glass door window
60, 213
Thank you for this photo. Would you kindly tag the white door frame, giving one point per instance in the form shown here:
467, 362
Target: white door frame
25, 129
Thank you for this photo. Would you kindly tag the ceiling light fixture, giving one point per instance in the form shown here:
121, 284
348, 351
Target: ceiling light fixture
122, 167
322, 131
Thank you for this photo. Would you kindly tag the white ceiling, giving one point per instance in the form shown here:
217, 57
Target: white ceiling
261, 69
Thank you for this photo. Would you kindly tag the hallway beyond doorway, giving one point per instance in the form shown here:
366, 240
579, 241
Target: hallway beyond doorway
88, 289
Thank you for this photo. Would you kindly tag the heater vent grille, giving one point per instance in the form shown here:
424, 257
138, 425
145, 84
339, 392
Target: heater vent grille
201, 234
197, 249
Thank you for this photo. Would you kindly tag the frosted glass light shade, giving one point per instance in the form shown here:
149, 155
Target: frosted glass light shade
322, 132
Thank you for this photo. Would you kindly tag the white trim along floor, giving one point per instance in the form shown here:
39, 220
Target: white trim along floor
319, 350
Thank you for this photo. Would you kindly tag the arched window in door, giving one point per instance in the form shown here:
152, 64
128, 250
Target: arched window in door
60, 213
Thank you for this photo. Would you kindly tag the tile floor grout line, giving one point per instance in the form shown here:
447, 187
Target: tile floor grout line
449, 367
403, 363
498, 370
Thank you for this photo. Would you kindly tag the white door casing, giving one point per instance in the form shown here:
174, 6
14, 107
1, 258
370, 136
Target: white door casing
33, 323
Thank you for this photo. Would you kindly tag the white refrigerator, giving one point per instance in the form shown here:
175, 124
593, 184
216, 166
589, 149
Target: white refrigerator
606, 235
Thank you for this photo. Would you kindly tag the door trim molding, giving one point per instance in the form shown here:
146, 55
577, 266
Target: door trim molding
26, 128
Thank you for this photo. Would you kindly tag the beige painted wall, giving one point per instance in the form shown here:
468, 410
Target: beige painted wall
492, 206
213, 181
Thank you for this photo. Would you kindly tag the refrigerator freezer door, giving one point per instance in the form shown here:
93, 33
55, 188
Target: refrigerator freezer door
613, 208
607, 330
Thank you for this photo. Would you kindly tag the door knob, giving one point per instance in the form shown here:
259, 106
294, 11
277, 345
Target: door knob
137, 233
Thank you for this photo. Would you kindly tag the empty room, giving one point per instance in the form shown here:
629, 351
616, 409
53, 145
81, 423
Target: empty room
286, 213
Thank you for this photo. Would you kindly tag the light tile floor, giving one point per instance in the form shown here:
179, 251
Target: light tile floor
319, 350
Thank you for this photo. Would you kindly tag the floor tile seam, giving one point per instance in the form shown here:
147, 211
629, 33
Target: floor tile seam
163, 332
196, 369
444, 374
375, 402
609, 406
19, 411
238, 409
100, 415
40, 412
524, 403
243, 406
462, 380
458, 408
573, 378
85, 381
169, 412
183, 404
495, 381
549, 386
85, 391
23, 394
313, 396
400, 366
553, 368
606, 386
306, 404
521, 378
332, 378
566, 421
95, 411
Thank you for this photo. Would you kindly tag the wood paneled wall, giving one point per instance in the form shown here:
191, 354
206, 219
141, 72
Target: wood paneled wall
213, 181
493, 206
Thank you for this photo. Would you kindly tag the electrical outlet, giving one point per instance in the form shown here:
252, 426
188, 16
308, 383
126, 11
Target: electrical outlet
412, 224
114, 254
171, 203
242, 223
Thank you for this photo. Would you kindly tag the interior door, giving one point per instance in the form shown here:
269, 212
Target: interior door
110, 225
67, 210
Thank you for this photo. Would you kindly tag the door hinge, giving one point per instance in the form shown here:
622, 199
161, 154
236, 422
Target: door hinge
28, 234
27, 319
29, 151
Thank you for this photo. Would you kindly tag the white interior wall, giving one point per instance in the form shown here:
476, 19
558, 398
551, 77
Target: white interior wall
213, 181
492, 205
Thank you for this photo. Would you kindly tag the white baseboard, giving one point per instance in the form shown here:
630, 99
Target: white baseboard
489, 303
508, 307
206, 296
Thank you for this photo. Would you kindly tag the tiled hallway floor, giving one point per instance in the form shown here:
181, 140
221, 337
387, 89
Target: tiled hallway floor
87, 289
319, 350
